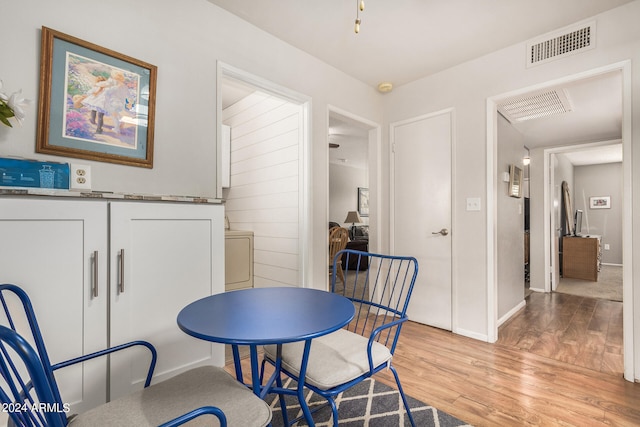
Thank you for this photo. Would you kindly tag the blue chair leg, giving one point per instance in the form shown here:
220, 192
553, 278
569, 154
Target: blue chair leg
404, 399
334, 410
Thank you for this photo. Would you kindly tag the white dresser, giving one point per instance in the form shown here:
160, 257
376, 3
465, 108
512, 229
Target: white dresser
238, 255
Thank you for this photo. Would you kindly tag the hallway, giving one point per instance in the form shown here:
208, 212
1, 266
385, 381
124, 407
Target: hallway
581, 331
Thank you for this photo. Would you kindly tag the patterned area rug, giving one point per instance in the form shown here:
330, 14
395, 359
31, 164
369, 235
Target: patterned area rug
368, 404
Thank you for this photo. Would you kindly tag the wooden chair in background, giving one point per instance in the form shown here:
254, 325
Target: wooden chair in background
338, 238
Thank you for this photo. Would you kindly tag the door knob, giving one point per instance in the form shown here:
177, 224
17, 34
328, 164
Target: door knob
443, 232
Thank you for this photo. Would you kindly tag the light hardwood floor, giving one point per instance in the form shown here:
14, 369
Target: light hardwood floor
508, 384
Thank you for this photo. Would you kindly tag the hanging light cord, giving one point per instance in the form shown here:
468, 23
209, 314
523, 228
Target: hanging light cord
359, 8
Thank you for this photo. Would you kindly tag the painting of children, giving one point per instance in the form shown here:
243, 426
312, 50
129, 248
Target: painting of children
101, 102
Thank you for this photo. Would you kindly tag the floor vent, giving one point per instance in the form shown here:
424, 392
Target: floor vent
533, 106
559, 44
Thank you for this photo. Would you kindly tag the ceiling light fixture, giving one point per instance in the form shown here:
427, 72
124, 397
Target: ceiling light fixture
385, 87
359, 8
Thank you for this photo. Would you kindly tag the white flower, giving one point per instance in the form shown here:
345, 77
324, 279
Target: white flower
17, 105
12, 106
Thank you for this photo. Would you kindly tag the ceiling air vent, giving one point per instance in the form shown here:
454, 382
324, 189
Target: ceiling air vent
533, 106
568, 41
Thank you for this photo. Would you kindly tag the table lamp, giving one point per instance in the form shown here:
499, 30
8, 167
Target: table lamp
353, 217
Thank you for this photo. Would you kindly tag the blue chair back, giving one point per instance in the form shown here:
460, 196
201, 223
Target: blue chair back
380, 287
27, 383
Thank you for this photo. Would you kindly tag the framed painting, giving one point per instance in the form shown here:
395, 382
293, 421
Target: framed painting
94, 103
363, 201
600, 202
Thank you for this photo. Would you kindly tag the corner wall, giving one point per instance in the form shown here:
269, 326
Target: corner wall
510, 227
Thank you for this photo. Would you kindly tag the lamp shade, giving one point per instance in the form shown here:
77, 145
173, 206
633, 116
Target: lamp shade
353, 217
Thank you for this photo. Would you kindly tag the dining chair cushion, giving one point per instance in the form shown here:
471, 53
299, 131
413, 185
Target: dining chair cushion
159, 403
334, 359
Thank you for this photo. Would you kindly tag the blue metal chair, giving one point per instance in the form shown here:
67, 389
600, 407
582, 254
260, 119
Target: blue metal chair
29, 390
340, 360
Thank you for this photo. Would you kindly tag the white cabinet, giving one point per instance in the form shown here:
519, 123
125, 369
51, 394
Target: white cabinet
162, 258
172, 256
48, 248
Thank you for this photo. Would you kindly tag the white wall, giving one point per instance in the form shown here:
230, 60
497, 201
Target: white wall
466, 88
601, 180
510, 226
263, 196
343, 191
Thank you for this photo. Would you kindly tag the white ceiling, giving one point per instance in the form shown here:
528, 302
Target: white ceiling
403, 40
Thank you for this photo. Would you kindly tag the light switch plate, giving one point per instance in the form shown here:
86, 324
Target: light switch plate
80, 177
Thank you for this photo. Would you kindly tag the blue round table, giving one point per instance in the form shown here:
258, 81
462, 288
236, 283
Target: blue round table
260, 316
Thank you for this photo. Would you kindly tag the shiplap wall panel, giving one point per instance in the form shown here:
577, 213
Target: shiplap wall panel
244, 220
281, 171
264, 192
281, 230
285, 135
281, 200
263, 162
286, 184
244, 104
268, 118
272, 275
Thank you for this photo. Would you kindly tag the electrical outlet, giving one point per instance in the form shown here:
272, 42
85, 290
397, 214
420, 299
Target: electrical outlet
80, 177
473, 203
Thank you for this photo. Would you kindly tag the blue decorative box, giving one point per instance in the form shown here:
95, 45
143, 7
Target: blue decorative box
31, 173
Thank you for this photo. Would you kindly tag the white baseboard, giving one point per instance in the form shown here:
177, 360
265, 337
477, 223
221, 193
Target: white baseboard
511, 312
472, 334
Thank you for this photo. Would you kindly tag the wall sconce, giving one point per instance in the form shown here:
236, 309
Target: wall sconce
526, 160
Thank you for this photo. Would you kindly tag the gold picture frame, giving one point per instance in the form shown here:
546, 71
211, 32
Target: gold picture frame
94, 103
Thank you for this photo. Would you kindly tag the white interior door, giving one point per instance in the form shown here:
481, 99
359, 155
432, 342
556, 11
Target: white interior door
421, 211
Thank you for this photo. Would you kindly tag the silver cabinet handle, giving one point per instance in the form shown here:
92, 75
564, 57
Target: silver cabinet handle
121, 284
443, 232
94, 290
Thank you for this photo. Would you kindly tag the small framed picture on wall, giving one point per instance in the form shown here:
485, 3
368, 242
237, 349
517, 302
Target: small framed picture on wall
363, 201
600, 202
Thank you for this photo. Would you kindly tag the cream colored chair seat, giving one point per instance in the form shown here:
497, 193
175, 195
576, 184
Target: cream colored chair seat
334, 359
158, 403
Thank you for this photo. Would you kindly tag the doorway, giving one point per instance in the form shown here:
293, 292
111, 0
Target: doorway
353, 177
543, 280
591, 169
267, 188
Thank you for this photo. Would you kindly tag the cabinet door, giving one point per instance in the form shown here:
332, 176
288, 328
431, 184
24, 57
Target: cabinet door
48, 249
173, 255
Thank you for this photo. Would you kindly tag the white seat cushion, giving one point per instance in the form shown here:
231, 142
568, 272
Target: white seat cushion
334, 359
159, 403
